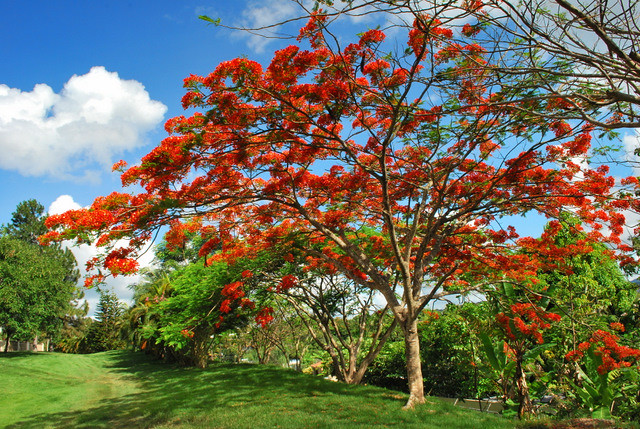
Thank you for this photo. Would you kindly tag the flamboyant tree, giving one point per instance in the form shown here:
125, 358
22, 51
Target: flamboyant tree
333, 142
582, 53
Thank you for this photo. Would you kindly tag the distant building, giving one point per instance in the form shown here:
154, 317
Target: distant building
24, 346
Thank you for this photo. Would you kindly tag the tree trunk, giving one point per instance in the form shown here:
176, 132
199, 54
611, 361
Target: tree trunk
525, 407
6, 344
414, 365
200, 354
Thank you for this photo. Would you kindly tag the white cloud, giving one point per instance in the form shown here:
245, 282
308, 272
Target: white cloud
631, 142
62, 204
95, 117
84, 252
265, 13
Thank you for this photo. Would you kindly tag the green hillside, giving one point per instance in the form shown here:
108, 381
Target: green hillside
127, 390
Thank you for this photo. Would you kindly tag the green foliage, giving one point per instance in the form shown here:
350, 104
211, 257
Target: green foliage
176, 312
450, 354
599, 391
37, 284
105, 333
72, 335
452, 361
210, 20
27, 222
388, 369
502, 367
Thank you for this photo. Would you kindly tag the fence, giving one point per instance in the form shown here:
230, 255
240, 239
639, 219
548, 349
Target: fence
23, 346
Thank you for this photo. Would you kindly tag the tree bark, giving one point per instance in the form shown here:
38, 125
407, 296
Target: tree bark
6, 344
414, 366
525, 407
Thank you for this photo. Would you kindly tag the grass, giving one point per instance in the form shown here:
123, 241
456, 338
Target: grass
127, 390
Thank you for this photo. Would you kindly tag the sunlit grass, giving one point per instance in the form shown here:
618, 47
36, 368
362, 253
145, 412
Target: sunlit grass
126, 390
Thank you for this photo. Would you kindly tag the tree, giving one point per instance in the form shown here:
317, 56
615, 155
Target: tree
590, 291
27, 222
193, 304
609, 374
339, 315
522, 323
332, 142
592, 46
105, 333
567, 303
37, 284
75, 326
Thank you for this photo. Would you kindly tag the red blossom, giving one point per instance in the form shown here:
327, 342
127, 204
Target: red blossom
605, 345
287, 282
529, 320
264, 316
233, 290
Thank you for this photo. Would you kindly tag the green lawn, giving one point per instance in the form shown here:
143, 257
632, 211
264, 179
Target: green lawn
126, 390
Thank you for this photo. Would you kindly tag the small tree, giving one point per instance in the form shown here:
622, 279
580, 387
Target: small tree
105, 333
522, 323
607, 373
341, 318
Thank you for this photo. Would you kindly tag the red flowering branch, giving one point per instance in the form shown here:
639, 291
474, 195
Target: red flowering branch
605, 346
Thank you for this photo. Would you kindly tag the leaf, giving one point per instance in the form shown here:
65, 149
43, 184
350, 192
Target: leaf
210, 20
508, 291
496, 364
536, 351
546, 299
601, 413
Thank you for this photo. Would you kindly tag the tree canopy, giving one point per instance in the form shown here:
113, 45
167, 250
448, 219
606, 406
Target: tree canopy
37, 284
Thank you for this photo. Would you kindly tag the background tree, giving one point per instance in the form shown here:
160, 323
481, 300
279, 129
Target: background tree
74, 327
185, 309
27, 222
105, 333
590, 292
585, 52
286, 335
331, 142
341, 318
37, 284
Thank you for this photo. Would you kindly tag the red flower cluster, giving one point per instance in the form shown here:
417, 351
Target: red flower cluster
264, 316
606, 346
118, 261
233, 290
187, 333
286, 283
529, 320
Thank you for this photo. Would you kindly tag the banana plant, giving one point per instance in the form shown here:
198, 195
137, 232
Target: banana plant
599, 391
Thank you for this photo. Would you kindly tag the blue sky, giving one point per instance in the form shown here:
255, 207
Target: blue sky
84, 84
156, 44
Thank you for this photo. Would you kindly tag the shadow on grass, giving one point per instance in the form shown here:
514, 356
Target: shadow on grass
169, 394
22, 355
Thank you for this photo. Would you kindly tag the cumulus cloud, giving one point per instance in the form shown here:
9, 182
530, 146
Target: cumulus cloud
94, 118
84, 252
